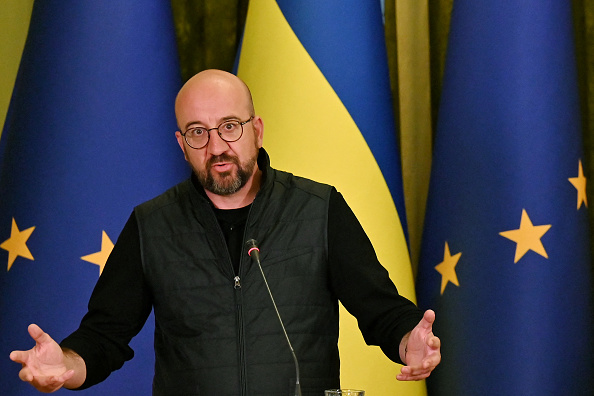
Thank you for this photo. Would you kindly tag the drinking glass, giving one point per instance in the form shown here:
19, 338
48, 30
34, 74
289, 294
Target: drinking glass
344, 392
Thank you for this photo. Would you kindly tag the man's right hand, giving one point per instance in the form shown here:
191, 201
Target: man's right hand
46, 366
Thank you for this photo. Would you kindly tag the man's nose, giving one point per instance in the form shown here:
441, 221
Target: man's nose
216, 145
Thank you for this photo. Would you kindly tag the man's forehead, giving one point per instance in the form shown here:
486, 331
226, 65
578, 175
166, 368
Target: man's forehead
212, 97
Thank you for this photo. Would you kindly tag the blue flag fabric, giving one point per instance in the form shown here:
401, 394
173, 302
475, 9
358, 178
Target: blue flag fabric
89, 134
505, 259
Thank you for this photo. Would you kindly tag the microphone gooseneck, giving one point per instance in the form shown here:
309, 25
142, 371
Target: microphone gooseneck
254, 253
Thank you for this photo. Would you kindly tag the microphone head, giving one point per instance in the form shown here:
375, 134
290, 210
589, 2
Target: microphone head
251, 245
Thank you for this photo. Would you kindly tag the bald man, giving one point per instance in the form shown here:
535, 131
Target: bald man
183, 255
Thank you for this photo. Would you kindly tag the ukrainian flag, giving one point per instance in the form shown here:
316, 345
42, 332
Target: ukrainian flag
88, 135
319, 77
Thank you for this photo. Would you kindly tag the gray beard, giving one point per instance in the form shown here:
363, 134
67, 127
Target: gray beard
226, 183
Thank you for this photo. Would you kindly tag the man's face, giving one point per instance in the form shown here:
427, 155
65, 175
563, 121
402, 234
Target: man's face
222, 168
225, 173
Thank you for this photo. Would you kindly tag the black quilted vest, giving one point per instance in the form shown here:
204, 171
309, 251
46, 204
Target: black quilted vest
216, 335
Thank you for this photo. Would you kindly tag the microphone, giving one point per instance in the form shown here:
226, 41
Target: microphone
254, 253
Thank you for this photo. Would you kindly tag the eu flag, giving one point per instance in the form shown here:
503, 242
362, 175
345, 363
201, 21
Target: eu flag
505, 257
89, 134
319, 77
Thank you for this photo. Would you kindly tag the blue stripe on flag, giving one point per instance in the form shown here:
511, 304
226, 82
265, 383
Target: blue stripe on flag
354, 34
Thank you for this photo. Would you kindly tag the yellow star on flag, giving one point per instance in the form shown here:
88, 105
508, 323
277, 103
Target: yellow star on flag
580, 184
447, 268
100, 258
16, 245
527, 237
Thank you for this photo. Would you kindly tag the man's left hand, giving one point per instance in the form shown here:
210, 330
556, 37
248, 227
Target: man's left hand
422, 351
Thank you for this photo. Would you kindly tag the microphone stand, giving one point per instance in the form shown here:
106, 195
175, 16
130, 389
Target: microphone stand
254, 253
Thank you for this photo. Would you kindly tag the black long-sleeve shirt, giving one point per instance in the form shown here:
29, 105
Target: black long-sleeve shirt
121, 300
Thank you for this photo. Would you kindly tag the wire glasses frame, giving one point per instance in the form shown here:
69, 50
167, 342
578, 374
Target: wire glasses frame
230, 131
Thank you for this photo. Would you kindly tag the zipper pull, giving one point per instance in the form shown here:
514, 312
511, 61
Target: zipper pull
237, 284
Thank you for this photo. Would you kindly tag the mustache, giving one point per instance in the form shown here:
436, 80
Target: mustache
222, 158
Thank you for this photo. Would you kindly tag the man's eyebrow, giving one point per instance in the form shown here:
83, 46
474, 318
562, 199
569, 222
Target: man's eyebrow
200, 123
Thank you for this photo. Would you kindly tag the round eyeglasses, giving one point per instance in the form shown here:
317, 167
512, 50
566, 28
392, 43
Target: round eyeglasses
229, 131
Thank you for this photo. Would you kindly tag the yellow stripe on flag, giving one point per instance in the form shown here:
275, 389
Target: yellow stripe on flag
310, 133
14, 23
412, 22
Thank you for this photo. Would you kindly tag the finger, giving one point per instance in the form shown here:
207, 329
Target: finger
427, 365
413, 371
428, 319
26, 375
412, 374
431, 362
434, 342
65, 377
46, 384
40, 336
434, 360
18, 356
407, 374
402, 377
51, 381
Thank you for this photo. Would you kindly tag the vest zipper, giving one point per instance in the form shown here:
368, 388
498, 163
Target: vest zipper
238, 311
239, 306
240, 336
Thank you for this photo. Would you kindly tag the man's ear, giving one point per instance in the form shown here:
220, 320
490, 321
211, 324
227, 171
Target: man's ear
258, 124
181, 142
